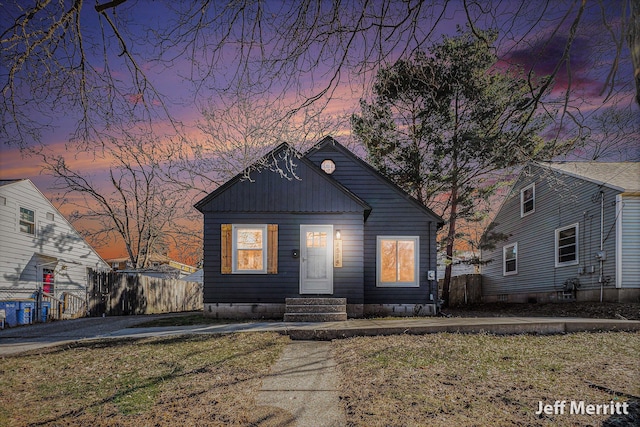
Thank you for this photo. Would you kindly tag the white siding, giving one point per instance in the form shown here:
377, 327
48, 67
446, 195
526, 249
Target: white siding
629, 242
56, 244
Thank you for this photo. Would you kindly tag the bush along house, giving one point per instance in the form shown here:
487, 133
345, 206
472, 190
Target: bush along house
317, 236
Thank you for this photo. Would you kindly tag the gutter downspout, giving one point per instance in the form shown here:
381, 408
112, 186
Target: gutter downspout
601, 278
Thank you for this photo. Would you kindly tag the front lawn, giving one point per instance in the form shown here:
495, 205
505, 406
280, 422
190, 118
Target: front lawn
198, 380
406, 380
485, 380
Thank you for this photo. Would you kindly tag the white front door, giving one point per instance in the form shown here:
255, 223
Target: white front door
316, 259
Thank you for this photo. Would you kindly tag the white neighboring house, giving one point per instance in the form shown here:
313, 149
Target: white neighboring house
39, 248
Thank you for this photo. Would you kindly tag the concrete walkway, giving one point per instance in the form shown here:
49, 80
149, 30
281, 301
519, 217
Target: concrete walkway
304, 383
16, 340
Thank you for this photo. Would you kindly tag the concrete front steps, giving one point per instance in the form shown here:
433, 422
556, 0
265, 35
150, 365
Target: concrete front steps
315, 309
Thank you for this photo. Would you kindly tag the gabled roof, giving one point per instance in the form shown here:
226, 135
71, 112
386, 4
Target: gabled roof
284, 147
60, 215
622, 176
348, 153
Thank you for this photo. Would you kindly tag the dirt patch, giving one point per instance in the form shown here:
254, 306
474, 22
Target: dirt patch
606, 310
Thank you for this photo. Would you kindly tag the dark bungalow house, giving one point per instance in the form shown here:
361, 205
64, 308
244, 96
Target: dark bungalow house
321, 225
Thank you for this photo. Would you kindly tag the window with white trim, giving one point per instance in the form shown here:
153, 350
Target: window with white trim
510, 259
250, 248
567, 245
27, 221
528, 200
398, 261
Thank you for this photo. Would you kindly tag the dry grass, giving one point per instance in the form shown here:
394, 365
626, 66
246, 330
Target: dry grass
161, 381
439, 380
483, 380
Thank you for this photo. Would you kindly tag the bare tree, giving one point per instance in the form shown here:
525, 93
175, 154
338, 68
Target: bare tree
128, 71
103, 66
127, 201
611, 136
232, 139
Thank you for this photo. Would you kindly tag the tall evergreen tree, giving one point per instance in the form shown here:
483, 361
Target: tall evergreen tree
442, 123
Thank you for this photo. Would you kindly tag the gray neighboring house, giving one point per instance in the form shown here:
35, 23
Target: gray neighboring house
573, 234
332, 226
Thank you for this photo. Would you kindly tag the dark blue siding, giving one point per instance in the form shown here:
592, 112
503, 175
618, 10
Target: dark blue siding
273, 288
310, 190
393, 213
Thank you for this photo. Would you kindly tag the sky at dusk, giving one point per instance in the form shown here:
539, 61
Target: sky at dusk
535, 46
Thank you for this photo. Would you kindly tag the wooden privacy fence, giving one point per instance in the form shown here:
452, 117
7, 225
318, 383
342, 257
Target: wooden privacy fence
113, 293
464, 289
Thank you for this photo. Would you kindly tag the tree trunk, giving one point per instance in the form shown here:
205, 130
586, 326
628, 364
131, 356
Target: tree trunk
449, 249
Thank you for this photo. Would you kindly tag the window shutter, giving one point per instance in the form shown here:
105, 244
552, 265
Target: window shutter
226, 241
272, 249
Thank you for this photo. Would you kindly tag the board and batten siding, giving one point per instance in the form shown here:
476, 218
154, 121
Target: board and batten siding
267, 191
22, 255
560, 200
628, 235
392, 214
306, 196
274, 288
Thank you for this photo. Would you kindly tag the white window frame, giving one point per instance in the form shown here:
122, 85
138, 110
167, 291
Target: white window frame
416, 273
533, 200
504, 259
557, 245
234, 251
20, 220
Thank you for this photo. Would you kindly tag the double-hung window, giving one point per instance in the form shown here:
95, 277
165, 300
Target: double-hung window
510, 259
249, 249
27, 221
528, 200
398, 261
567, 245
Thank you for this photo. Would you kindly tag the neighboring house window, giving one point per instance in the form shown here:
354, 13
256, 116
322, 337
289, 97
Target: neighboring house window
510, 259
27, 221
397, 261
50, 216
249, 248
527, 200
567, 245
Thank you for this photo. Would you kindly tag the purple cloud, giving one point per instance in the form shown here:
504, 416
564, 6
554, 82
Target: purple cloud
544, 54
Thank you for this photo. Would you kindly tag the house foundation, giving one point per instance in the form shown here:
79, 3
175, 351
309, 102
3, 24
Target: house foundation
587, 295
274, 311
400, 310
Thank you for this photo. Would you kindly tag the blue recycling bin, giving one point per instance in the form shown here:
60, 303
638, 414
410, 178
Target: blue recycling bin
10, 311
25, 312
44, 313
